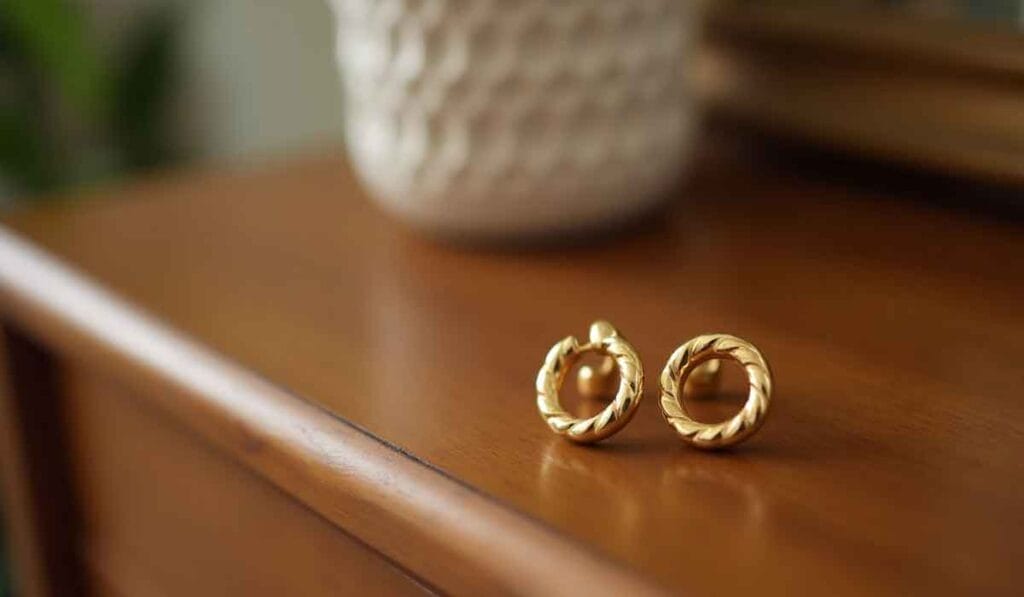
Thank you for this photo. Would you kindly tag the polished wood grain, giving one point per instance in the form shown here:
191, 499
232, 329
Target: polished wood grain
889, 464
168, 515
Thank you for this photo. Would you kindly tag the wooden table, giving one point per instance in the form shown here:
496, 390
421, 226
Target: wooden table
255, 383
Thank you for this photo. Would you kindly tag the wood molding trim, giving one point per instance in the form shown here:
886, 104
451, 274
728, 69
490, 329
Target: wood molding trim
40, 508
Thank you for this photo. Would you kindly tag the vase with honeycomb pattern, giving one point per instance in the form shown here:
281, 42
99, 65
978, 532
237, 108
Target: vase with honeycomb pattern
515, 118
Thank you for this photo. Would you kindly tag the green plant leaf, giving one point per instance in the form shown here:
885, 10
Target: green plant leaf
24, 160
143, 88
27, 163
54, 35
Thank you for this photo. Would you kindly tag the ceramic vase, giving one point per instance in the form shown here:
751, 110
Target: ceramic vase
515, 118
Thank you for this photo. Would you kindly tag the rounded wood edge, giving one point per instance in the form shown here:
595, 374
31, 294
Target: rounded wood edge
449, 535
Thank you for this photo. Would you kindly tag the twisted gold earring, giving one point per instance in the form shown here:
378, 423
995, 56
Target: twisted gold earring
606, 340
691, 356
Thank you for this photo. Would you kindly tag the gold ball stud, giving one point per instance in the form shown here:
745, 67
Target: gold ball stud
598, 382
705, 380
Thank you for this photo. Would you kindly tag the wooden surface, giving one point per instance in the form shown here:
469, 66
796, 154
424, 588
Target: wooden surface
169, 516
889, 464
434, 526
38, 496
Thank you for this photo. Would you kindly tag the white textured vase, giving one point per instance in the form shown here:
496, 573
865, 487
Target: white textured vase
503, 118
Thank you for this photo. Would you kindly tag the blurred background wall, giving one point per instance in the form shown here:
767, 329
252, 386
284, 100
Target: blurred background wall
92, 90
95, 89
259, 77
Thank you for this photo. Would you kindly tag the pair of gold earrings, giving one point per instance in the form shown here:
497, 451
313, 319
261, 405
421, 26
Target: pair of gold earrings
697, 361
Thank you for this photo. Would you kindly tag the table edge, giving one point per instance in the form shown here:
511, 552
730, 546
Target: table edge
450, 535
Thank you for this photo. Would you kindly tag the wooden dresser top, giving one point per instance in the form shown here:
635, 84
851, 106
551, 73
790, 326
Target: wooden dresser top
891, 461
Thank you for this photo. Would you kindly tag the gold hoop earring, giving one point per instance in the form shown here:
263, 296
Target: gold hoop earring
692, 355
606, 340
